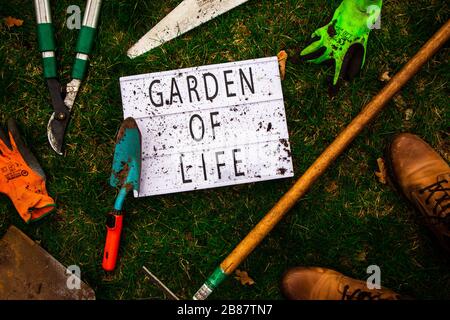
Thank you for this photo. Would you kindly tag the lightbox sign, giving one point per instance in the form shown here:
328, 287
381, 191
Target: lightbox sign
209, 126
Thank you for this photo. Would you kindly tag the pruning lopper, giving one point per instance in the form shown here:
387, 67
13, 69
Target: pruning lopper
63, 101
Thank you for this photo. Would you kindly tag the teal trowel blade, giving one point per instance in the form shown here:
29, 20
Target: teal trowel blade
126, 168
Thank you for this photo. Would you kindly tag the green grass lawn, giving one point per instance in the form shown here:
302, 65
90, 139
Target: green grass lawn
348, 220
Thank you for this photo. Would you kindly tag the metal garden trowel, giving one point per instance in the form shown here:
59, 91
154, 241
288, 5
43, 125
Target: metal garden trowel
126, 173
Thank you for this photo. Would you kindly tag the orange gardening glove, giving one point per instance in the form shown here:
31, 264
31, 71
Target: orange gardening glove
21, 177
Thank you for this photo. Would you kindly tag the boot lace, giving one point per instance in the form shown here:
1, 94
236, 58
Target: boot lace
359, 294
442, 215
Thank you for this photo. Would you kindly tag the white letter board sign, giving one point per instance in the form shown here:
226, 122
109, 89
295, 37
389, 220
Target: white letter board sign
209, 126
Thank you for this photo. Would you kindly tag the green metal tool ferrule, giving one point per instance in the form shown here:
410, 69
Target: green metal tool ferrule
79, 68
46, 39
50, 70
85, 40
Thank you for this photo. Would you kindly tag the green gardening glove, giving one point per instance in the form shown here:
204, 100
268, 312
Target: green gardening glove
344, 39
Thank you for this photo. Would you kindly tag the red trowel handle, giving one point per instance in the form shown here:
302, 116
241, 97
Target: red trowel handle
114, 229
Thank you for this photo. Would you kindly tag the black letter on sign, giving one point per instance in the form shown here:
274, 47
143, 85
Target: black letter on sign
208, 97
219, 164
250, 86
204, 167
228, 82
194, 88
236, 162
190, 127
159, 94
172, 93
182, 171
214, 124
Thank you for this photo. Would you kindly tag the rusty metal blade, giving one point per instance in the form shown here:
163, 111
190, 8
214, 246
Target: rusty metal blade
28, 272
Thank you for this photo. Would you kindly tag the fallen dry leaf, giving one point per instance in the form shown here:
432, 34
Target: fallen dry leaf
332, 187
188, 236
13, 22
243, 278
385, 77
408, 114
240, 33
382, 173
399, 102
361, 256
282, 58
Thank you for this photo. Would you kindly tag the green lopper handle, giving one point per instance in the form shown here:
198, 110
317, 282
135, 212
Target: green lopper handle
46, 38
86, 38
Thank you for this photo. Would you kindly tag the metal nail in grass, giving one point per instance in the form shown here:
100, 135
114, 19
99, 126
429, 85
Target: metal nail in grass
126, 172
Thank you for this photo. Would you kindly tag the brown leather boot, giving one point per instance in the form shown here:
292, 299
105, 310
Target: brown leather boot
314, 283
424, 177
